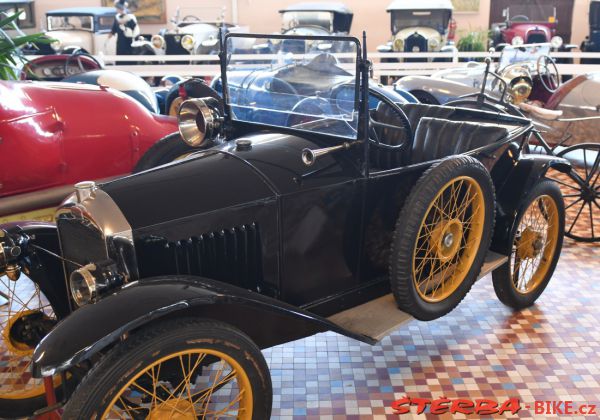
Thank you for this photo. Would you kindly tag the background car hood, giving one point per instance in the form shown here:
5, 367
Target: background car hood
67, 39
425, 31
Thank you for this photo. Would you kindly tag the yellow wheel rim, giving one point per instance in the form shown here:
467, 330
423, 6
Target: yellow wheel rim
24, 299
535, 244
448, 239
209, 384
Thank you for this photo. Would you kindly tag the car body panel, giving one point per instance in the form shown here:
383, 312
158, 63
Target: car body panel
48, 141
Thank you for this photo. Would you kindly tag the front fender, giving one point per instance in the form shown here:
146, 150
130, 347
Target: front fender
441, 89
525, 174
95, 327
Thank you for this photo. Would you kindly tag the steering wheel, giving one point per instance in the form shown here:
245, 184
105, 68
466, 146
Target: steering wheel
76, 55
389, 113
548, 73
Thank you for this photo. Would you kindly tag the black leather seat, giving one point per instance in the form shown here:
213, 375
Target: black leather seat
436, 138
415, 112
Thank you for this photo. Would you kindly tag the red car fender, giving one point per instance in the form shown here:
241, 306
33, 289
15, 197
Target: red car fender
54, 134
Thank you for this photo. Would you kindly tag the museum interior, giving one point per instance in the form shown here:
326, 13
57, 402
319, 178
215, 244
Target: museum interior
294, 209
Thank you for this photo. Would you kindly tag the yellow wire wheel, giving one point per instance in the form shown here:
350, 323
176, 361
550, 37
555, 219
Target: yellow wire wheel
534, 247
442, 235
178, 369
24, 319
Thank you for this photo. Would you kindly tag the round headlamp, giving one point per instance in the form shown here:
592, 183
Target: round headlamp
199, 120
517, 40
399, 44
83, 285
433, 44
187, 42
158, 41
556, 42
55, 45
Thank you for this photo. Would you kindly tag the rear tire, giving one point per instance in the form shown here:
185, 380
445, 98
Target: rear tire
442, 236
543, 207
145, 374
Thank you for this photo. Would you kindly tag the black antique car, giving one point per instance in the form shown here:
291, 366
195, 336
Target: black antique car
592, 41
324, 205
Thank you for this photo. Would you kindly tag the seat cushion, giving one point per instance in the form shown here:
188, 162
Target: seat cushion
436, 138
414, 112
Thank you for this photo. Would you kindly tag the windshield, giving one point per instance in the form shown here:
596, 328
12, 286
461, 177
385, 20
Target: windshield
70, 23
436, 19
522, 54
293, 19
298, 83
532, 13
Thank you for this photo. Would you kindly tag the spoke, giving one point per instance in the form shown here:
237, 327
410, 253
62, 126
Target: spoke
566, 185
576, 217
591, 219
594, 167
573, 203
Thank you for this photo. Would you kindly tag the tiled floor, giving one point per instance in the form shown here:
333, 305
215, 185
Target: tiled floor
550, 352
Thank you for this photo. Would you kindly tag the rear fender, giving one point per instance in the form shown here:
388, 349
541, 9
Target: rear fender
525, 174
98, 326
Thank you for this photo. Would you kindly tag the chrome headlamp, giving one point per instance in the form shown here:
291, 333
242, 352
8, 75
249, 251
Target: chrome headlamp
200, 120
433, 43
55, 45
187, 42
158, 42
517, 40
89, 281
398, 44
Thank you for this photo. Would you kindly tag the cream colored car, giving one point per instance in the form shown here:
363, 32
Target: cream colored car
419, 26
84, 28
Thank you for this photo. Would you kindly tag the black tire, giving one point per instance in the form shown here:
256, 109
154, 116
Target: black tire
166, 150
156, 343
463, 259
503, 278
425, 97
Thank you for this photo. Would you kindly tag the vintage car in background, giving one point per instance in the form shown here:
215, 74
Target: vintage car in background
527, 23
316, 19
192, 35
85, 28
49, 141
592, 41
566, 115
420, 26
299, 213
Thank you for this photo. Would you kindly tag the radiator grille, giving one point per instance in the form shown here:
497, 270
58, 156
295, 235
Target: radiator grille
80, 242
415, 40
536, 38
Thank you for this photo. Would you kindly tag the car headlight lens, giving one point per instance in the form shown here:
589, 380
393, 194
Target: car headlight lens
55, 45
433, 43
517, 40
83, 285
520, 90
158, 41
556, 42
187, 42
399, 44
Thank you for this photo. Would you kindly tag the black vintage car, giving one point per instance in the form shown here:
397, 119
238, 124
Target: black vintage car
592, 41
314, 202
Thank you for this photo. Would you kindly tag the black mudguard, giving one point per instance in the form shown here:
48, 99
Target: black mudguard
525, 174
94, 327
43, 268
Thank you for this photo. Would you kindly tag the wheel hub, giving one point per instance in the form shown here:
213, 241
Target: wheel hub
530, 244
446, 238
25, 330
174, 409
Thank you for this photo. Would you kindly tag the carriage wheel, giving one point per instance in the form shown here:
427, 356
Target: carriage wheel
441, 238
25, 319
535, 245
581, 192
179, 369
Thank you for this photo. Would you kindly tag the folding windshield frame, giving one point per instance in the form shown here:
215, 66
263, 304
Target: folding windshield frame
357, 83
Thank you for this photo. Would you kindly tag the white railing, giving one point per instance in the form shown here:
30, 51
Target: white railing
208, 65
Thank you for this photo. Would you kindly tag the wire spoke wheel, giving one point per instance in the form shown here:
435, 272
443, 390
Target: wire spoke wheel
533, 247
24, 320
581, 192
191, 384
442, 235
535, 244
448, 240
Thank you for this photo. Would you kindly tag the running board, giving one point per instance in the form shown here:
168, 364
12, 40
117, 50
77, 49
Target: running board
381, 316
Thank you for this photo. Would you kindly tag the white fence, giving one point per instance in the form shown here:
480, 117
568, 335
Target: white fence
209, 67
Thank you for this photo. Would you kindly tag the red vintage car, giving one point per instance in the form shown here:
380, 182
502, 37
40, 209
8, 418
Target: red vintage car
53, 135
528, 23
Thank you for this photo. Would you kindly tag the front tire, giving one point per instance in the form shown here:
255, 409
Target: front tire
163, 369
534, 246
166, 150
442, 236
